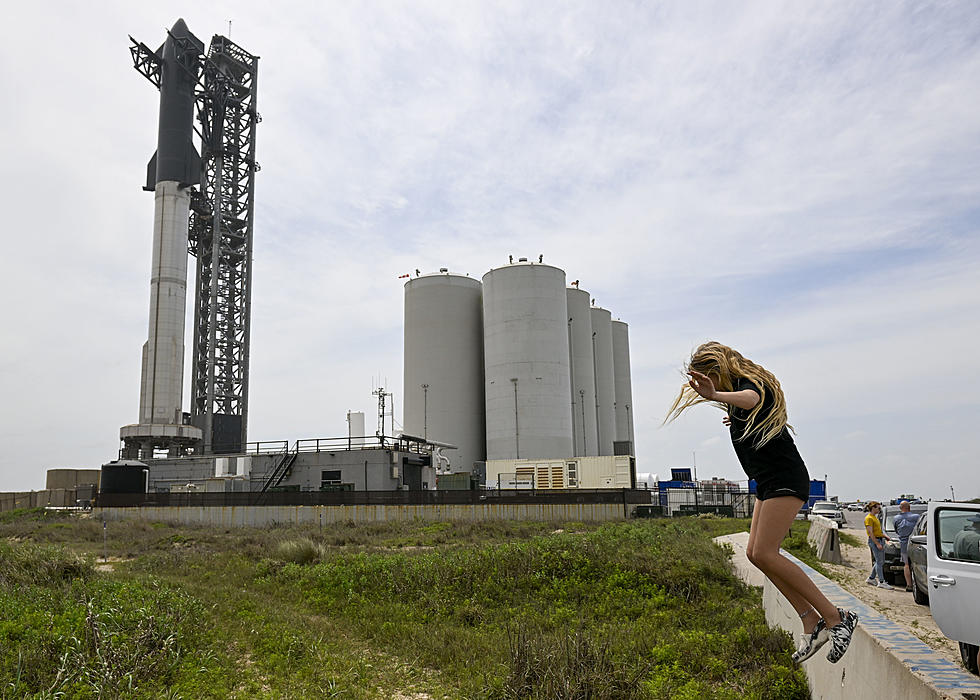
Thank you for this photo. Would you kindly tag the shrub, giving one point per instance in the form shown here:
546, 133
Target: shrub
301, 551
29, 564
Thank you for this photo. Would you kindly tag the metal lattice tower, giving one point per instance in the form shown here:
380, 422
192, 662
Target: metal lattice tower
220, 237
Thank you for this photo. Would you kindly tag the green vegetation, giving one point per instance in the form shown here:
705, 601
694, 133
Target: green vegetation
640, 609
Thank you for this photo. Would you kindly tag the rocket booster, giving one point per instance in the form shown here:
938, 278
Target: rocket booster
176, 159
176, 165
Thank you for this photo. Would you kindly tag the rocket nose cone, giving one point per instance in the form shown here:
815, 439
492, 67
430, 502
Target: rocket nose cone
180, 28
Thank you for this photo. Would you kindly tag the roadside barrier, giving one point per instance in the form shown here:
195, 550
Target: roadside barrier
824, 535
885, 660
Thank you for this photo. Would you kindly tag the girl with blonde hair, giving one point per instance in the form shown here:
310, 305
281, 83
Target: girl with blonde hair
755, 411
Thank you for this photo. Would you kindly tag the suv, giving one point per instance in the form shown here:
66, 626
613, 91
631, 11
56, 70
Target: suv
830, 510
918, 562
893, 548
954, 574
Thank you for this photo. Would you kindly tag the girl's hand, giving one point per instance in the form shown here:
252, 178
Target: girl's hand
702, 384
727, 420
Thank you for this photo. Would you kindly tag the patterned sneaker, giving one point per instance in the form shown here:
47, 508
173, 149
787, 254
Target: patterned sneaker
840, 635
871, 582
810, 643
886, 586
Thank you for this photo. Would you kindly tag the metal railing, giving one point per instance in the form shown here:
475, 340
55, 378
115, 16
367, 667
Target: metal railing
329, 444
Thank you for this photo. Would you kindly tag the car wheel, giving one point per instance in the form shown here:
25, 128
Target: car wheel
968, 652
917, 594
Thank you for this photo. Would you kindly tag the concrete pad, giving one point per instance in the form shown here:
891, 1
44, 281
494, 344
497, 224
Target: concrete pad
884, 660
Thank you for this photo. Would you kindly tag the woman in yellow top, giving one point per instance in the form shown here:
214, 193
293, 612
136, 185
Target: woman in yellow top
876, 542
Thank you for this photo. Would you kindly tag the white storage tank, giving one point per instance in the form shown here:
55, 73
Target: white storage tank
605, 379
525, 332
443, 392
581, 367
624, 389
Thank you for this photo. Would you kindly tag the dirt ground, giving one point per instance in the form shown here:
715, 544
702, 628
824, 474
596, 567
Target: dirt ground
897, 605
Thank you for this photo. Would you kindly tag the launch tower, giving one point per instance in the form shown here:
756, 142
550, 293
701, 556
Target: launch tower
215, 225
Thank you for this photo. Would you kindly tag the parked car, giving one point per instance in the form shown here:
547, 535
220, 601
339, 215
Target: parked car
893, 549
855, 506
829, 509
954, 575
918, 562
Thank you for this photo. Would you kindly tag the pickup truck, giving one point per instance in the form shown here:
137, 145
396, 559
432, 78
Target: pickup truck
952, 542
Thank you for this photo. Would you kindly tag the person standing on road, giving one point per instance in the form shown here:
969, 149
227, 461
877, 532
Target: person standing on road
755, 409
904, 525
876, 541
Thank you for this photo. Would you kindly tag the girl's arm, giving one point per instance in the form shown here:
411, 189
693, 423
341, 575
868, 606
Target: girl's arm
701, 383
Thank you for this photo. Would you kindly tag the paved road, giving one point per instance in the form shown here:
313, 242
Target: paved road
855, 520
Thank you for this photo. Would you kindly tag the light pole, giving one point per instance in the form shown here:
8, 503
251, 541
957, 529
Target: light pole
952, 494
425, 411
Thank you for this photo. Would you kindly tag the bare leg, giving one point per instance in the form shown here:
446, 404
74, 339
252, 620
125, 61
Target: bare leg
808, 615
771, 519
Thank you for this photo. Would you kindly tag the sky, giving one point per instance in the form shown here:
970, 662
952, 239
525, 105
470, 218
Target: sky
797, 180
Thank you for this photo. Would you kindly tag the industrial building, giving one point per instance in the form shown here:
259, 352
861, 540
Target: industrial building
512, 379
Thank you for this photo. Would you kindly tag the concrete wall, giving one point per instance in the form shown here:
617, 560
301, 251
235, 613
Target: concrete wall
264, 516
884, 660
825, 538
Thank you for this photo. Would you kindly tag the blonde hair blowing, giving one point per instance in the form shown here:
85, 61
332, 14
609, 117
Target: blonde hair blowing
714, 358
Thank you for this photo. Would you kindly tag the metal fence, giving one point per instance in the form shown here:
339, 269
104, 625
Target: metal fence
628, 497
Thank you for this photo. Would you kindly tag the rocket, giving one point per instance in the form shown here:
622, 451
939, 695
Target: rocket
175, 166
176, 159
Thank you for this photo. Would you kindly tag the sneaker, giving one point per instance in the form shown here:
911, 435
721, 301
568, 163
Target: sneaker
840, 635
871, 582
886, 586
810, 643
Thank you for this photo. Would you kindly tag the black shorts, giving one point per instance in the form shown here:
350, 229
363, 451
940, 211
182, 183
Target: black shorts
791, 482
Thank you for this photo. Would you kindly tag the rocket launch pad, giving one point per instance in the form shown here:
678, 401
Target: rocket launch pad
202, 203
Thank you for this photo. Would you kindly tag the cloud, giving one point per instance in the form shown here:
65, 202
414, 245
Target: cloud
800, 182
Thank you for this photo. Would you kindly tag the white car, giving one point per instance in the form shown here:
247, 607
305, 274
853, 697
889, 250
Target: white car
829, 509
953, 556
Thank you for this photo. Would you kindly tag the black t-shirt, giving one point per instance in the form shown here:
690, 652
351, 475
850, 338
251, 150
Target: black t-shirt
777, 455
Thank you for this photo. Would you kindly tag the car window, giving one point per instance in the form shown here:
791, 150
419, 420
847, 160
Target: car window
920, 527
889, 515
889, 522
958, 537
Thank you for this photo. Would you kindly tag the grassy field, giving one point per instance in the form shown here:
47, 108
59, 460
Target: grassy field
640, 609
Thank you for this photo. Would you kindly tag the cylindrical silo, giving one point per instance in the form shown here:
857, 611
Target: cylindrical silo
605, 379
582, 371
444, 365
624, 388
525, 334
